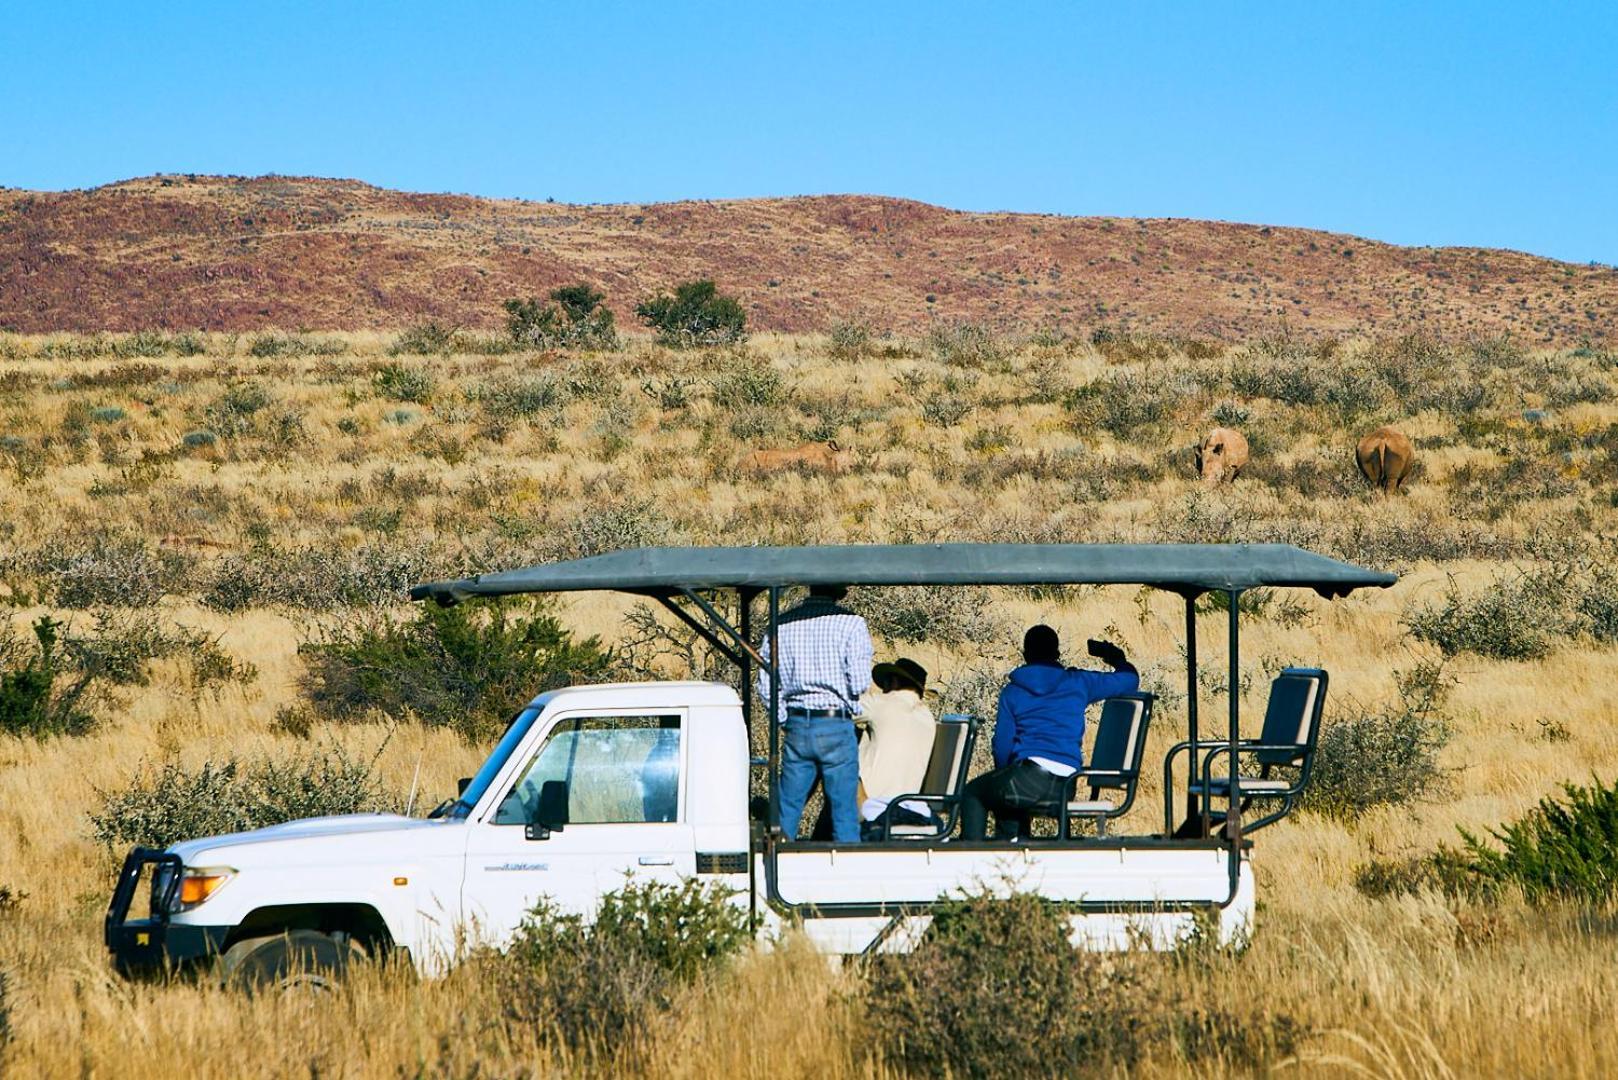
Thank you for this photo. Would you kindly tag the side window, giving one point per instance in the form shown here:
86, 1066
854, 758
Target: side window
603, 770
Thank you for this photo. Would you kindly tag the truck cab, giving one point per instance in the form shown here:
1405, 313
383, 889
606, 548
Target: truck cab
588, 787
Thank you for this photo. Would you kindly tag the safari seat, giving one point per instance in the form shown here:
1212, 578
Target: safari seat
953, 738
1290, 734
1115, 762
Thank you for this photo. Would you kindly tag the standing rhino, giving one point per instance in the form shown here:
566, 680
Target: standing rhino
1222, 455
1385, 457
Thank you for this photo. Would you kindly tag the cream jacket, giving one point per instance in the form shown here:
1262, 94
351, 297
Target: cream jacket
897, 744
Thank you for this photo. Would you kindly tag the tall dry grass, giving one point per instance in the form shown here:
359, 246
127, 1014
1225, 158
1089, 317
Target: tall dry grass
526, 456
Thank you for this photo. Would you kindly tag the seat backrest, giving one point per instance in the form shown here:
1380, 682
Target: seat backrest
1120, 739
948, 760
1293, 718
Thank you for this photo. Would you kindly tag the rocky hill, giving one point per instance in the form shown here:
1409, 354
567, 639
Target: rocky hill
237, 254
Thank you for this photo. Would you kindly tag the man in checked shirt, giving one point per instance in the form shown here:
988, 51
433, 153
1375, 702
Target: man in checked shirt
826, 655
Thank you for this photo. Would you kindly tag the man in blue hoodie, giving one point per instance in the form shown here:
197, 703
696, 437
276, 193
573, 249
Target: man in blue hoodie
1039, 733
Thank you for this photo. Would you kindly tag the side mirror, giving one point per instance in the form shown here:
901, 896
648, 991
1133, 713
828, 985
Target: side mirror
551, 815
461, 785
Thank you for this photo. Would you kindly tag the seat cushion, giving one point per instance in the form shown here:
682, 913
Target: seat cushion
1250, 785
1099, 806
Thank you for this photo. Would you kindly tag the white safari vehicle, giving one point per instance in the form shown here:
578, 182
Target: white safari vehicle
591, 786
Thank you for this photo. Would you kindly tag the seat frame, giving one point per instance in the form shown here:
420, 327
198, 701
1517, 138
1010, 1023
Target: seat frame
1126, 779
948, 805
1302, 754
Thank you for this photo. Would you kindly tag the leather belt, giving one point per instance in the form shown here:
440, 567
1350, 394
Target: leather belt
819, 714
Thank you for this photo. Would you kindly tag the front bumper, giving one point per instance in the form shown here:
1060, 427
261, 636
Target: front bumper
155, 944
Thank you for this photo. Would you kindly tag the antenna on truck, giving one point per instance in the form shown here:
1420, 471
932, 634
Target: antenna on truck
415, 780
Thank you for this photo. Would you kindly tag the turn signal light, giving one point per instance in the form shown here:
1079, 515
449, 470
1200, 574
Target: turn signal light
199, 883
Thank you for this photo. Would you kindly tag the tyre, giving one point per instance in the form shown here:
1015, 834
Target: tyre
295, 960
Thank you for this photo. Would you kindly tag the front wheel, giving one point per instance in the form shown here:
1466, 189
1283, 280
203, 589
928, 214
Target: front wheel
295, 960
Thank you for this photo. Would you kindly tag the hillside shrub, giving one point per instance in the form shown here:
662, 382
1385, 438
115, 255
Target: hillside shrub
574, 318
848, 340
598, 985
697, 314
966, 344
749, 383
277, 345
396, 382
464, 668
1509, 620
42, 693
938, 614
517, 398
430, 338
170, 802
314, 578
1368, 758
615, 525
108, 569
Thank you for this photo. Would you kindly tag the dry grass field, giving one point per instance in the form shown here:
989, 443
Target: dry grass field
258, 491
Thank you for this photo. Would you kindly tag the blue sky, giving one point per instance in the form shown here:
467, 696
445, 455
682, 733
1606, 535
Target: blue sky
1439, 123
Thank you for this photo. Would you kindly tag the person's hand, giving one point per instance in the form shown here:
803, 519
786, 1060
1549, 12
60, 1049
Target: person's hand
1106, 652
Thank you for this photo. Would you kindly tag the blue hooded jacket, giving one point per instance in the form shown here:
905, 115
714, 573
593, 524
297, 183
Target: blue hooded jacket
1042, 707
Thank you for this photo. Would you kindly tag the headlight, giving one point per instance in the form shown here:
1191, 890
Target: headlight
198, 883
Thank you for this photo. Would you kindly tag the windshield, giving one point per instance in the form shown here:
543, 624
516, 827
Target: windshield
497, 759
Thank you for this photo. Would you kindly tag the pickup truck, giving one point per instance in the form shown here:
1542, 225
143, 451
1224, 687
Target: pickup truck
588, 787
593, 785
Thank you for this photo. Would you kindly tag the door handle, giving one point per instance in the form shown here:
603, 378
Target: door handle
657, 860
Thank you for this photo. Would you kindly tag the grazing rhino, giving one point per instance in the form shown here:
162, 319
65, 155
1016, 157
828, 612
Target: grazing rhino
816, 455
1222, 455
1385, 458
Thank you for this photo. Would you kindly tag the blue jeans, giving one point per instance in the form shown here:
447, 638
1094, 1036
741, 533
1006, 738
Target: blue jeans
823, 746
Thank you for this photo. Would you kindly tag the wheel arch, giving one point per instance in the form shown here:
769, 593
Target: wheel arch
358, 920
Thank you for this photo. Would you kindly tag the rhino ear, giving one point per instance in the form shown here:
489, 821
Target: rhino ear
831, 444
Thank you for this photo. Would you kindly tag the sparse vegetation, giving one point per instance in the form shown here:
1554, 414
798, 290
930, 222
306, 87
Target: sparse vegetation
310, 499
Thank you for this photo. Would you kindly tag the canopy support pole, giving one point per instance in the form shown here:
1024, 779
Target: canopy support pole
749, 657
1191, 708
774, 668
742, 643
705, 633
1233, 815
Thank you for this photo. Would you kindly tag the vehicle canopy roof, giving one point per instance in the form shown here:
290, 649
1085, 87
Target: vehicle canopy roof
1187, 569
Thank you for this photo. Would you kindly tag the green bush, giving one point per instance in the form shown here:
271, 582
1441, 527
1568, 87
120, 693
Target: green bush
848, 340
599, 985
41, 692
465, 667
399, 383
965, 344
170, 802
1560, 848
750, 384
1367, 758
995, 988
574, 318
697, 314
276, 345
